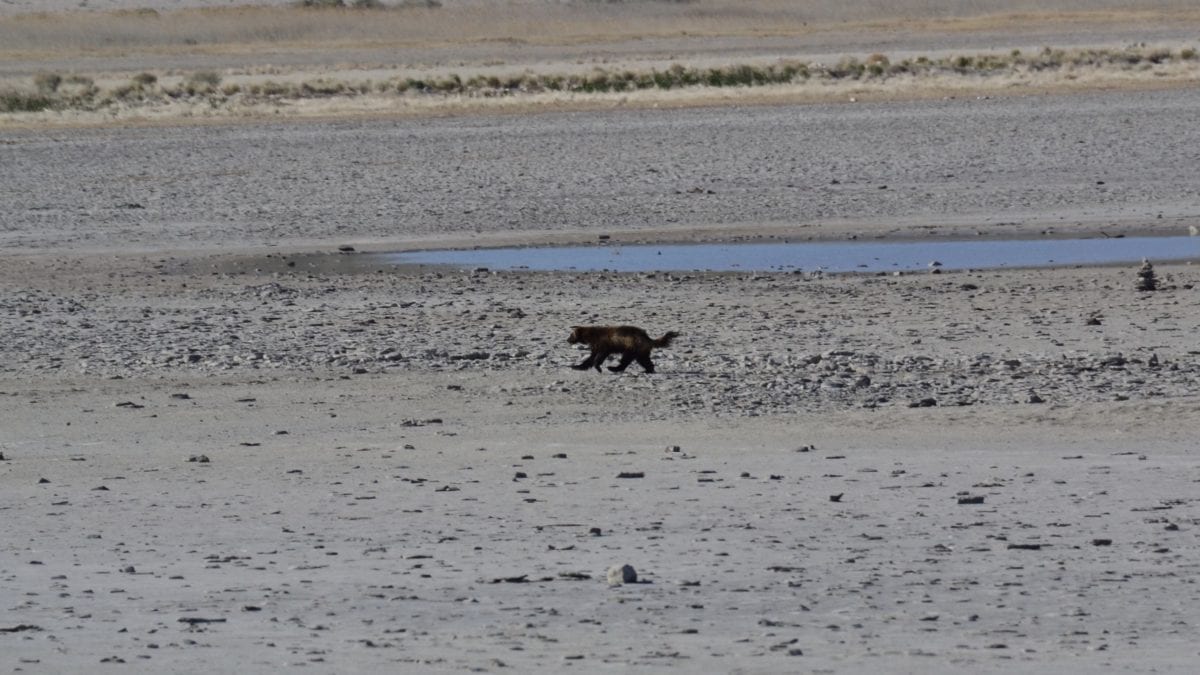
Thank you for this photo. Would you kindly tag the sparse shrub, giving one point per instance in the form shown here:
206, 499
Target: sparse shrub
848, 67
47, 83
17, 101
126, 92
145, 79
204, 79
739, 76
1187, 54
322, 88
1159, 55
449, 85
81, 81
271, 88
597, 82
320, 4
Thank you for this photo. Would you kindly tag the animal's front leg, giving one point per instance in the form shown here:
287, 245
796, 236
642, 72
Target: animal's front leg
587, 363
600, 358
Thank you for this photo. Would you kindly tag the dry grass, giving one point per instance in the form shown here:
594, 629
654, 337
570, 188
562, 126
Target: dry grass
204, 94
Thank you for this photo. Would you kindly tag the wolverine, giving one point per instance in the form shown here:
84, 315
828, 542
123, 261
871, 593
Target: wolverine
631, 342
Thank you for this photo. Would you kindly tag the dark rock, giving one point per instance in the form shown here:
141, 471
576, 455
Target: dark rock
621, 574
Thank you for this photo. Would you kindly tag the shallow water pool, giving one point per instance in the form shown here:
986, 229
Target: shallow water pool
853, 256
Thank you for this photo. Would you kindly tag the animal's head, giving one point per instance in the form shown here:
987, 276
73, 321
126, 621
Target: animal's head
575, 335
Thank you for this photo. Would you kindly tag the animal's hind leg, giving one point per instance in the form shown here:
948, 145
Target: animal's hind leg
626, 359
587, 363
646, 363
600, 358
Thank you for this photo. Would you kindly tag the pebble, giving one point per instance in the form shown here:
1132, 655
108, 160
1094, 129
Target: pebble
742, 373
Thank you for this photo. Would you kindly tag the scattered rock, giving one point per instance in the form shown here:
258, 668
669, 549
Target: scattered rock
621, 574
632, 474
975, 499
837, 497
519, 579
196, 620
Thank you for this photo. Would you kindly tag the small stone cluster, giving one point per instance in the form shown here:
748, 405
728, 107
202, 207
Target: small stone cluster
1146, 280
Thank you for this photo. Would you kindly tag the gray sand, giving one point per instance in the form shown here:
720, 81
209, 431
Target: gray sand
403, 474
997, 166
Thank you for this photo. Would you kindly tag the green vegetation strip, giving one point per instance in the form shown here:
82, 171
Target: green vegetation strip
51, 91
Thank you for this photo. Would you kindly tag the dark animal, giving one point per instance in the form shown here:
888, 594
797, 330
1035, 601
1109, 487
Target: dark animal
631, 342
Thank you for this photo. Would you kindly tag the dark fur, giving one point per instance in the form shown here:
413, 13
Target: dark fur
631, 342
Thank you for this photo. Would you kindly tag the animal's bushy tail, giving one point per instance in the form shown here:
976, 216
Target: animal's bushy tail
666, 340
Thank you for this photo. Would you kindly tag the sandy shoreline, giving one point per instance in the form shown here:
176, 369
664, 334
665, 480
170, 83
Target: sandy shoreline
226, 446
